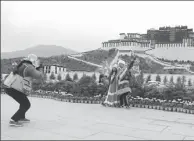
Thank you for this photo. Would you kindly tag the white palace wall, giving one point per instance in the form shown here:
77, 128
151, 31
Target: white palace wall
167, 51
137, 48
173, 53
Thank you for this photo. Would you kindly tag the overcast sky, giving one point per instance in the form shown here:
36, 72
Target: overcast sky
84, 25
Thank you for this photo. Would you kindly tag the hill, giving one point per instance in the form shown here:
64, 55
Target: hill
84, 61
147, 64
63, 60
40, 50
96, 56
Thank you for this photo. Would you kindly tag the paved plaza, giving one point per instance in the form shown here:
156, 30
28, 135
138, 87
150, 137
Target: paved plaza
55, 120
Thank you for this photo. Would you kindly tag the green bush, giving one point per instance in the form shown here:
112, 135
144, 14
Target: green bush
189, 82
94, 76
68, 78
75, 77
152, 92
171, 80
59, 77
158, 78
87, 87
148, 78
52, 76
165, 80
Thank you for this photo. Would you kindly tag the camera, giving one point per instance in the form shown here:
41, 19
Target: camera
41, 66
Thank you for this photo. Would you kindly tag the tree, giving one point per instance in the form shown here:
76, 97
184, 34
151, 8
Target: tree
165, 80
68, 78
92, 89
189, 82
183, 80
59, 77
133, 82
158, 78
179, 83
94, 76
68, 86
87, 85
148, 78
75, 77
86, 80
45, 77
140, 79
171, 80
48, 86
52, 76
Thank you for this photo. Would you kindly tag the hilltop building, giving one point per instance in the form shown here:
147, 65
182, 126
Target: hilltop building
180, 36
162, 42
173, 35
129, 41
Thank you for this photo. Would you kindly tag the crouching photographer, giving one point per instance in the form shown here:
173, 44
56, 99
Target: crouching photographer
18, 86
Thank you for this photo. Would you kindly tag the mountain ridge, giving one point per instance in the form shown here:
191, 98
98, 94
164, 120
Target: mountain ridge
40, 51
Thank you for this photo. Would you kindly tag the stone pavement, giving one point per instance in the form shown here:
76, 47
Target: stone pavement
55, 120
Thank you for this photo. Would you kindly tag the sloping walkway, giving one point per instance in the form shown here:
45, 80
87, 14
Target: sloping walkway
90, 63
54, 120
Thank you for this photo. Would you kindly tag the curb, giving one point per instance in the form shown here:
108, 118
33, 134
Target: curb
154, 107
67, 100
169, 109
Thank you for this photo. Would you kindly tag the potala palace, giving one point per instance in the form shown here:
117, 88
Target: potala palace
172, 43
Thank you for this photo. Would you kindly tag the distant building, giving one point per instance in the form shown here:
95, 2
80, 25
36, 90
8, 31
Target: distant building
179, 36
166, 35
56, 70
63, 71
162, 42
129, 41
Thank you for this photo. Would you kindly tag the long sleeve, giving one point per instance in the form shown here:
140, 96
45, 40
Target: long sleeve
127, 70
131, 64
32, 72
122, 75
